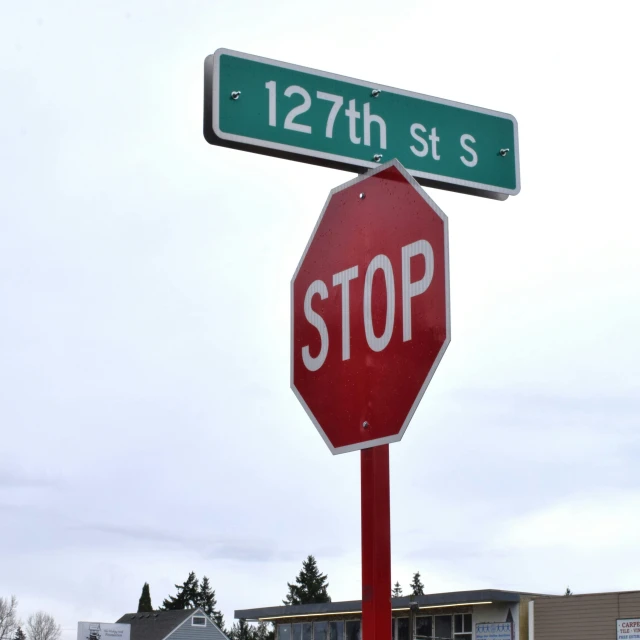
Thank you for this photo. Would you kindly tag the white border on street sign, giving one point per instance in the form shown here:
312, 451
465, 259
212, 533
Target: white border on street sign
485, 189
436, 363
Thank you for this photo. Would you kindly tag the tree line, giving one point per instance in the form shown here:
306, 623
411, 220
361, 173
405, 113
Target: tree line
416, 587
198, 594
310, 586
39, 625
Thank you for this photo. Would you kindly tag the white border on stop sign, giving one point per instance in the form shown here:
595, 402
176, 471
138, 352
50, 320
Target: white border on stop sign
436, 362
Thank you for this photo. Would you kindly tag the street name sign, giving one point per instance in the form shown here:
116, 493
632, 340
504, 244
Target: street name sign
288, 111
370, 309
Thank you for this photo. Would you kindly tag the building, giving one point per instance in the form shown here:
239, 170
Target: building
181, 624
486, 614
595, 616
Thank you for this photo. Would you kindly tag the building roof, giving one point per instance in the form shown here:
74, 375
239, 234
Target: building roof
594, 594
355, 606
155, 625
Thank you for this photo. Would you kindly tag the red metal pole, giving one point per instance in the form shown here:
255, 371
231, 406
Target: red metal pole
376, 543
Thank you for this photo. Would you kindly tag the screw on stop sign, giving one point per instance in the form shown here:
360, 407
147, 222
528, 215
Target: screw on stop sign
370, 309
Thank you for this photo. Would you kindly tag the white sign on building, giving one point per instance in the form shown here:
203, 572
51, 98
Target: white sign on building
629, 629
103, 631
493, 631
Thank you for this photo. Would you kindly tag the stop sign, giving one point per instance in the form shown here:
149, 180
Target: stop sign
370, 309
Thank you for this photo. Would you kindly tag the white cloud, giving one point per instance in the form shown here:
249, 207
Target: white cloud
593, 523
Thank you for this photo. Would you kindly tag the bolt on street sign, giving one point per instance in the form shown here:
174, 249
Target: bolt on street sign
284, 110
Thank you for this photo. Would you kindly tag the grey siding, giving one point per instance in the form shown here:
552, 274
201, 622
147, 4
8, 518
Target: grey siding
187, 631
584, 617
630, 605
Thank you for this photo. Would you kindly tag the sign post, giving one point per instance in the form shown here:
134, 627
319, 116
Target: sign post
376, 543
370, 323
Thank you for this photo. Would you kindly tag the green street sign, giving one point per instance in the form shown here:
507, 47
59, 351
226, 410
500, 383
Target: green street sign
284, 110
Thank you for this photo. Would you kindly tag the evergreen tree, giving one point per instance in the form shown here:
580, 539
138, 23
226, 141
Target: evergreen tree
206, 597
241, 630
265, 631
144, 604
396, 592
311, 585
417, 588
20, 635
207, 600
186, 597
218, 618
568, 592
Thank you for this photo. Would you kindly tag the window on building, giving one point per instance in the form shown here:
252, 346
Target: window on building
352, 629
443, 627
321, 631
462, 626
301, 631
199, 621
402, 628
424, 627
336, 630
284, 632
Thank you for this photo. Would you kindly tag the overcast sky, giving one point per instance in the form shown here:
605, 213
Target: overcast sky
147, 427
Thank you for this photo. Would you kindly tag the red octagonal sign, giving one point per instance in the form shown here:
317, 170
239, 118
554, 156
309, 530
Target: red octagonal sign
370, 309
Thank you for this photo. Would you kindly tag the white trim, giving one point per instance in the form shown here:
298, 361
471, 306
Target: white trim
414, 406
345, 159
202, 626
532, 629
